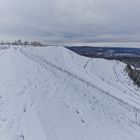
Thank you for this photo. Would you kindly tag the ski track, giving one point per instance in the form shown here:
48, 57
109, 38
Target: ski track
44, 63
133, 93
119, 79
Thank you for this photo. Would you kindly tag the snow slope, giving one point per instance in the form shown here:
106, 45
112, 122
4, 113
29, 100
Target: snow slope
54, 94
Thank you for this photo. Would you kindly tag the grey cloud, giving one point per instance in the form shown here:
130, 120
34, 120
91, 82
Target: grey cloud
82, 20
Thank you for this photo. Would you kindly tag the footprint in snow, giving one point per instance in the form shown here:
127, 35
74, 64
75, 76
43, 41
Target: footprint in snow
82, 120
21, 137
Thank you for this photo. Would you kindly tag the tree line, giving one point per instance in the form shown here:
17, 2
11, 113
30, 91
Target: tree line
133, 74
23, 43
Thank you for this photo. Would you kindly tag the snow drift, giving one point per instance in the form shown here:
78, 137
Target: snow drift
54, 94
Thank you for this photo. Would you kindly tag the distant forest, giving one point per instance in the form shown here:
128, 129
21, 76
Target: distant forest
24, 43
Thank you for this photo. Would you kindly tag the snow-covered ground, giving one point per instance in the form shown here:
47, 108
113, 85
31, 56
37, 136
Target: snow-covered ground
54, 94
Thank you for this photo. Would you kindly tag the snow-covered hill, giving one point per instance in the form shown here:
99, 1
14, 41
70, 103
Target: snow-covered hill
54, 94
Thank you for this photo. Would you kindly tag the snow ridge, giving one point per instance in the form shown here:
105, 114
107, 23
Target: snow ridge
52, 93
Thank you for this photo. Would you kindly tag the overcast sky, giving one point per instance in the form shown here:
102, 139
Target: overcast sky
71, 20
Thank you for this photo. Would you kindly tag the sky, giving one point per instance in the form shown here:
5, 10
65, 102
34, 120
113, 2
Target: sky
70, 20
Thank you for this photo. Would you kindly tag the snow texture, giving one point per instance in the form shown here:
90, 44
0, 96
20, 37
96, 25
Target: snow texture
52, 93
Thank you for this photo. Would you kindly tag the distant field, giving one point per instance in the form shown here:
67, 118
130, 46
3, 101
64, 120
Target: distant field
97, 44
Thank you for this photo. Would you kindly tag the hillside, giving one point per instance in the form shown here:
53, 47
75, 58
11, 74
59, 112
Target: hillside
54, 94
